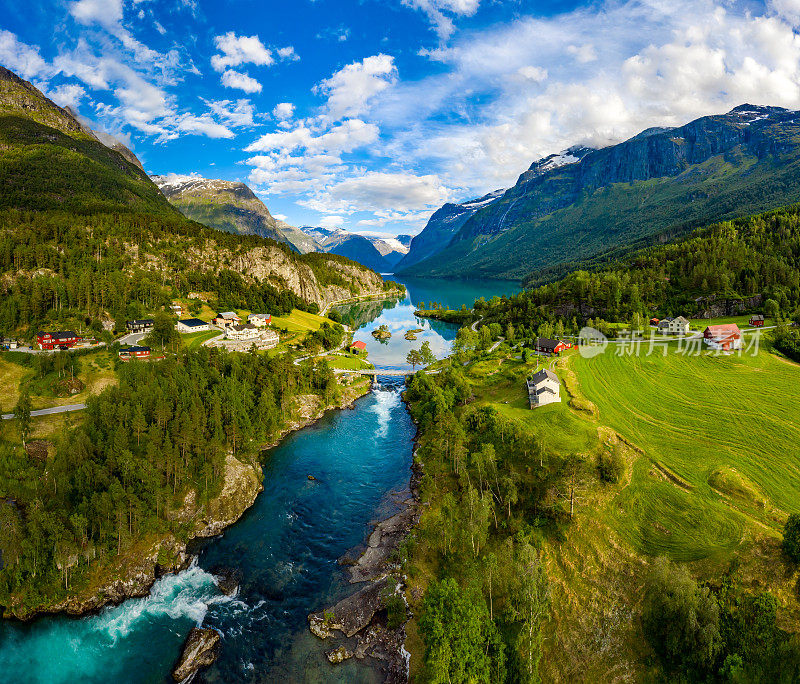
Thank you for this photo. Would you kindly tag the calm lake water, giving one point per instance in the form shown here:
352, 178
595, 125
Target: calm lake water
286, 546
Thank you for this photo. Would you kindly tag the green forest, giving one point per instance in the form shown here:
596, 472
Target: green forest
115, 477
66, 267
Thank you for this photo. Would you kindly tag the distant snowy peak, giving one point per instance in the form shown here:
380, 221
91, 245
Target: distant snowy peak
480, 202
555, 161
395, 244
747, 113
174, 183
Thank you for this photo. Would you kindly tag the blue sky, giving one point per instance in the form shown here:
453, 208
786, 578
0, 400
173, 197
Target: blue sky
369, 114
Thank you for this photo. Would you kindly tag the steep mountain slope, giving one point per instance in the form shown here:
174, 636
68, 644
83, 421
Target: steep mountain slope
50, 161
441, 228
224, 205
82, 229
714, 168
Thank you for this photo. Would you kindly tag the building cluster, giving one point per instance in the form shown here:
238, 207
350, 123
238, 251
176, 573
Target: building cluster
63, 340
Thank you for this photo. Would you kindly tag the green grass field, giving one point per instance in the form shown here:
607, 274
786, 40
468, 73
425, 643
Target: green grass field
720, 438
298, 321
347, 362
194, 340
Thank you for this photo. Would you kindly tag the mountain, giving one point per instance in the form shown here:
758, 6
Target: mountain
351, 245
50, 161
583, 205
83, 229
224, 205
441, 228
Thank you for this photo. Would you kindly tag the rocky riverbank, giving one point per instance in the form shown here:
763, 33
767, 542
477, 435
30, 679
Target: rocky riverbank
371, 622
132, 574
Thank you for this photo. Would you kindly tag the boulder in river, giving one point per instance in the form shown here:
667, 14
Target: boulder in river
351, 614
228, 580
338, 655
200, 650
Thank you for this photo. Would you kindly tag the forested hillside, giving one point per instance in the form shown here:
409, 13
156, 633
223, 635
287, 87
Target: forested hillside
752, 263
122, 474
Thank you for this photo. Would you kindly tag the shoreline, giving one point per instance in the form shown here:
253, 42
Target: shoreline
242, 483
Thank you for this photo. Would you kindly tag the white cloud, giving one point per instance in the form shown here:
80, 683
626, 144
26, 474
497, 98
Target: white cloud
67, 95
235, 79
331, 221
201, 125
378, 191
583, 53
288, 54
480, 122
21, 58
283, 111
440, 12
533, 73
236, 50
281, 217
237, 114
350, 89
344, 137
788, 9
104, 12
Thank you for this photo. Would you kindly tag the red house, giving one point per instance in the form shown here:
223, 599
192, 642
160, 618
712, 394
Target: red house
723, 337
357, 347
757, 321
135, 353
545, 345
54, 340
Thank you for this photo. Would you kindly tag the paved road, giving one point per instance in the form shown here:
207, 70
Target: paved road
30, 350
133, 338
67, 408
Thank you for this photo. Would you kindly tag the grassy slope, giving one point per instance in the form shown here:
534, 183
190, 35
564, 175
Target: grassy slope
675, 411
702, 419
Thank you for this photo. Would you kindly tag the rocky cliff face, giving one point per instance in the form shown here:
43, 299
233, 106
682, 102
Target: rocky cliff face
270, 263
578, 204
442, 227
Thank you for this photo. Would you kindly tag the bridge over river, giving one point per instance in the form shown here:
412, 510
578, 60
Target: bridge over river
386, 372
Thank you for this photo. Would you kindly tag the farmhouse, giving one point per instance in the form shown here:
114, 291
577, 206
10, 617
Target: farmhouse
134, 353
176, 309
543, 388
226, 319
259, 320
723, 337
50, 340
192, 325
8, 343
673, 326
358, 347
757, 321
141, 326
547, 346
242, 332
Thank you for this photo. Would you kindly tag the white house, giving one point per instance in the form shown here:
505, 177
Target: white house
191, 325
242, 332
259, 320
226, 319
544, 388
674, 326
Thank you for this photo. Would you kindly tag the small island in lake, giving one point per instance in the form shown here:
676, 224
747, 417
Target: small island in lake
382, 333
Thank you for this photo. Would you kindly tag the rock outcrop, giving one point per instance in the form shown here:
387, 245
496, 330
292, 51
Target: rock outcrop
200, 650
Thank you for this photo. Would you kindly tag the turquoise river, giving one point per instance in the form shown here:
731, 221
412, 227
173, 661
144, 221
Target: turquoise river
285, 547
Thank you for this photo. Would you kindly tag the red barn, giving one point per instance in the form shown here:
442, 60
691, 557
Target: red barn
724, 337
53, 340
357, 347
757, 321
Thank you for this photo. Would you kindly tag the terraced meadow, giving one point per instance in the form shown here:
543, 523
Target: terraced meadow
720, 444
